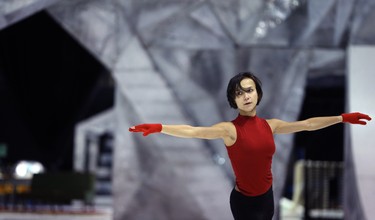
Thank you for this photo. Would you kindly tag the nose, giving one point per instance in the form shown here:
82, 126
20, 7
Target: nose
246, 96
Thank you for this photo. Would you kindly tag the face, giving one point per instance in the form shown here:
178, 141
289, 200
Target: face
247, 97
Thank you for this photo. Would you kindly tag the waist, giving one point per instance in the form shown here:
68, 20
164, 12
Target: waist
268, 191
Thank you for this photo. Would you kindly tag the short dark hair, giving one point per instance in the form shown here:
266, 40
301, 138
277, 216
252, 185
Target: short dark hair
234, 84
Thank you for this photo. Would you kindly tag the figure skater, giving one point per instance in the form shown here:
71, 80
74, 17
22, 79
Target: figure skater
250, 144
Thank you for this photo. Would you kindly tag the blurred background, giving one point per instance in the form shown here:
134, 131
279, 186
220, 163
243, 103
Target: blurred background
75, 75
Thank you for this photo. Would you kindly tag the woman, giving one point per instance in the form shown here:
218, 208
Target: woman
250, 144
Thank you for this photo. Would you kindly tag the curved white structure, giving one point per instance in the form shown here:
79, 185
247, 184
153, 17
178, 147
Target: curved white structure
361, 91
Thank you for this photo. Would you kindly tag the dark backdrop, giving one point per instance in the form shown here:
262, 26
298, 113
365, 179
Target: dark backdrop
324, 96
48, 83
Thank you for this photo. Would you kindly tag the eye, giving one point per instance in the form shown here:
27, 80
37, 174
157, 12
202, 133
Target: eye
249, 90
238, 93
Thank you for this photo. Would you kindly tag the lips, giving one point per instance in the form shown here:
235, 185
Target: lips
247, 103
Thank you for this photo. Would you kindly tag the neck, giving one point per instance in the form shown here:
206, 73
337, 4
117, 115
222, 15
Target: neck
248, 113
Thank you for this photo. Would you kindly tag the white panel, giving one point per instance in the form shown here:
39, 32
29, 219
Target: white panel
361, 91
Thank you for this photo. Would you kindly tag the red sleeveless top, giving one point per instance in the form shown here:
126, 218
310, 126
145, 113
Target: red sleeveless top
251, 155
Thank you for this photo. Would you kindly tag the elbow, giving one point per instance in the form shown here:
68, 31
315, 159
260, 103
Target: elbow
309, 126
195, 132
191, 132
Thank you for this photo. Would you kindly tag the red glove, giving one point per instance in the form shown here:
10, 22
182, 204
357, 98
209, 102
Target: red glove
355, 118
146, 128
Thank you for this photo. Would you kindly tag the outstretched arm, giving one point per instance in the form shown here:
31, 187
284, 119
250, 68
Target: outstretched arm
283, 127
186, 131
224, 130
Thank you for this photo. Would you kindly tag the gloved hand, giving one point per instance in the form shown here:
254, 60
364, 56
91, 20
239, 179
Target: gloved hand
146, 128
355, 118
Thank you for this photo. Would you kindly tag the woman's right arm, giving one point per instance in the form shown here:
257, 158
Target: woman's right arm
223, 130
186, 131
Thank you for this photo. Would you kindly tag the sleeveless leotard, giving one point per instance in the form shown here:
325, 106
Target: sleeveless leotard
251, 155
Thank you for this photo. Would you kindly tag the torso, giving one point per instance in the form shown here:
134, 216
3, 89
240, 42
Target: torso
232, 137
251, 150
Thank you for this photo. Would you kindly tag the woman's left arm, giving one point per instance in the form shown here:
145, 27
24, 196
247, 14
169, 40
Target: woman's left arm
311, 124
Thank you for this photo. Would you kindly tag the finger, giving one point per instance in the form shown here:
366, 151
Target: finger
136, 130
141, 128
367, 117
364, 116
361, 122
135, 127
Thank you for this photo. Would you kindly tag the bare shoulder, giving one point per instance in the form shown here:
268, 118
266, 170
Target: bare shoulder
274, 123
230, 130
228, 126
224, 124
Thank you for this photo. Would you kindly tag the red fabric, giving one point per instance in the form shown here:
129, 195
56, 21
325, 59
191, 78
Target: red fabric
146, 128
355, 118
251, 155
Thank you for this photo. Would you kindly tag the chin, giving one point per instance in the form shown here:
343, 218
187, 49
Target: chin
248, 108
251, 110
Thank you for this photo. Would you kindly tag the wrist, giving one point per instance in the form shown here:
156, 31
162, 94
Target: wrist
345, 117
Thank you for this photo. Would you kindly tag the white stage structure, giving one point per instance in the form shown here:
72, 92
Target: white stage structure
360, 146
